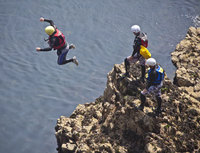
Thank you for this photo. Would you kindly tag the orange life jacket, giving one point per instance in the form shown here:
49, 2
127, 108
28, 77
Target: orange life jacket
59, 35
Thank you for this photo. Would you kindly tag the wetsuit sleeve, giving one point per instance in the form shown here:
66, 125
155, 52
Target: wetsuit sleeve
50, 22
134, 52
46, 49
152, 78
51, 44
136, 46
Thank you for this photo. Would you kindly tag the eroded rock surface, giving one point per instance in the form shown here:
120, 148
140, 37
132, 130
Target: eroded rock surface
113, 124
186, 58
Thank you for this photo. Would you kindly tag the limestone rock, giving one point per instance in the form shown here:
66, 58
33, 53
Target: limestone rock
186, 58
183, 78
114, 124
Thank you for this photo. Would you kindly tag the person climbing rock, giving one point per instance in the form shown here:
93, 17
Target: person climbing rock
140, 42
155, 77
57, 42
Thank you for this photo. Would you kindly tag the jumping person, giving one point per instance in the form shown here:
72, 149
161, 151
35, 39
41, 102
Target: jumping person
57, 42
140, 39
154, 83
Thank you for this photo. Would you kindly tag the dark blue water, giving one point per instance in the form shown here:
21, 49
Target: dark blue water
35, 91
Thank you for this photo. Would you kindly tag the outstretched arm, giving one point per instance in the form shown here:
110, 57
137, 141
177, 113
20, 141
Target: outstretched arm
51, 44
47, 20
52, 41
44, 49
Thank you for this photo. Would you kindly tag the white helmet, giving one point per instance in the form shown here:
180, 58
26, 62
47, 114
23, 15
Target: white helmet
135, 28
151, 62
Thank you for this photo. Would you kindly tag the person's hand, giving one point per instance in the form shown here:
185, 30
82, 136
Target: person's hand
38, 49
41, 19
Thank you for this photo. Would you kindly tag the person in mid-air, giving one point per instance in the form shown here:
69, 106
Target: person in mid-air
154, 83
139, 41
57, 42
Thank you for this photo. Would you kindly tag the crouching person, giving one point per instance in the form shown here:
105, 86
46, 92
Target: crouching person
154, 83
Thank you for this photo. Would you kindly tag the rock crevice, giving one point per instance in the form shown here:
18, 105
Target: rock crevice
114, 124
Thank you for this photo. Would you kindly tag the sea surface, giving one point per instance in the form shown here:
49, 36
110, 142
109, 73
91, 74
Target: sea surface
35, 91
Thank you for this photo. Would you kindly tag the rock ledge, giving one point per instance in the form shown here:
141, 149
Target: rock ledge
113, 124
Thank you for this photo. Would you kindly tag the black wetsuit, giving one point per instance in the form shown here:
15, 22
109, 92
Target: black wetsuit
136, 45
136, 50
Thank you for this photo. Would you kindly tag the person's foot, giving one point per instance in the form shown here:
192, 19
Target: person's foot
72, 46
75, 61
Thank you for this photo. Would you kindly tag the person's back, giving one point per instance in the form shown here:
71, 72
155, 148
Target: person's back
140, 39
155, 75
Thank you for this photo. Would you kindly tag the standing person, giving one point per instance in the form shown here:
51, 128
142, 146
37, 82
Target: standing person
140, 41
154, 83
57, 42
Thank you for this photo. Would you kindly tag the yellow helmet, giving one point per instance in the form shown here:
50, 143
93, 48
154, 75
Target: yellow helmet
49, 30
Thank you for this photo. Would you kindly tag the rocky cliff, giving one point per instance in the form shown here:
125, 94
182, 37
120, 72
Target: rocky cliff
113, 124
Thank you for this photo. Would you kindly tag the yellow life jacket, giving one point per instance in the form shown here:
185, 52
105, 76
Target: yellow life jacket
145, 52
